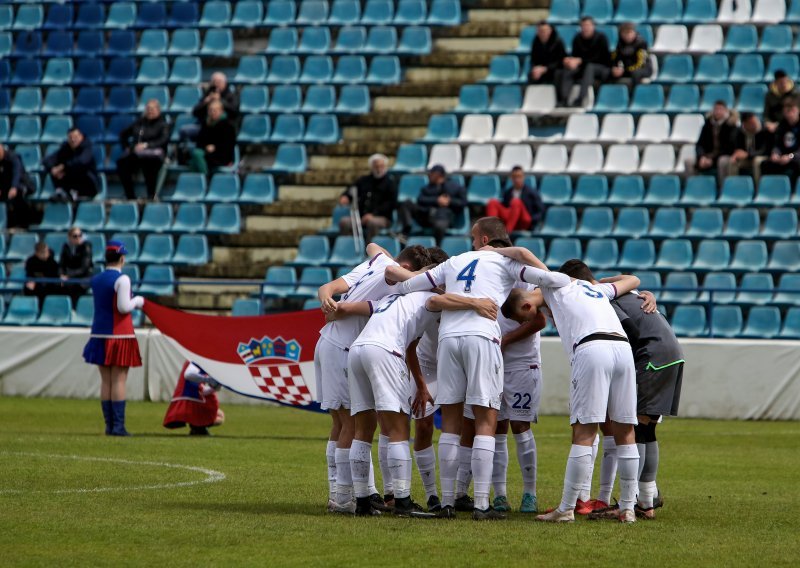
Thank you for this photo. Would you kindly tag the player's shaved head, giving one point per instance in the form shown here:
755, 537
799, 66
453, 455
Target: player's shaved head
414, 257
490, 231
576, 268
522, 305
438, 256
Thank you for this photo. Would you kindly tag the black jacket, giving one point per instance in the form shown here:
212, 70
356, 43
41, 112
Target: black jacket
592, 50
377, 196
13, 174
758, 145
773, 102
229, 99
550, 54
76, 263
787, 140
80, 168
532, 200
633, 56
222, 135
155, 133
430, 193
37, 268
726, 134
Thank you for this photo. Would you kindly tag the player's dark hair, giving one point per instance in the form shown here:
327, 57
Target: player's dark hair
438, 255
576, 268
493, 229
415, 256
112, 257
510, 305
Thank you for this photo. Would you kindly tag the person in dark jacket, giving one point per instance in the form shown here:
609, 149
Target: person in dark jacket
377, 199
522, 207
751, 146
547, 54
590, 61
630, 62
73, 168
785, 156
216, 141
218, 89
40, 264
145, 143
437, 206
780, 89
716, 140
15, 184
75, 262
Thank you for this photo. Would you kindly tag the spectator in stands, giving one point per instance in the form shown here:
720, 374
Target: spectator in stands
145, 143
377, 199
630, 61
216, 141
716, 140
15, 184
785, 157
40, 264
75, 263
218, 89
73, 168
590, 61
779, 90
547, 54
437, 206
522, 207
751, 147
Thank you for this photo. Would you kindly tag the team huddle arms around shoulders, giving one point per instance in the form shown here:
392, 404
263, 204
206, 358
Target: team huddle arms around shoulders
423, 332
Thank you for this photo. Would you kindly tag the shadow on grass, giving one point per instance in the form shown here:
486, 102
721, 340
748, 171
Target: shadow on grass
176, 435
255, 508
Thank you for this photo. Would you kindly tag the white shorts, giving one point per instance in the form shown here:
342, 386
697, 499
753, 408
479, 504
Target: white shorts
379, 380
522, 393
330, 368
470, 370
603, 383
429, 376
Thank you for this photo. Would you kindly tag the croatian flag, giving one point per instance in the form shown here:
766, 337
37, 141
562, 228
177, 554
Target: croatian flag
267, 357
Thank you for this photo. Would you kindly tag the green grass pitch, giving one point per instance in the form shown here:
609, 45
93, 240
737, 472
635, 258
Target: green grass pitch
731, 493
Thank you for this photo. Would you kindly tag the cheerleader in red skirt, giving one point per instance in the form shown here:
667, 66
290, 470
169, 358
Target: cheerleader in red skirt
194, 402
112, 345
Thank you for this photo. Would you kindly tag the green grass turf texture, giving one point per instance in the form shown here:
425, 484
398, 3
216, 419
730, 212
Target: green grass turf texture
730, 491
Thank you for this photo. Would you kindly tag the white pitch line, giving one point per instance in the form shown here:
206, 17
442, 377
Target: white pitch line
212, 476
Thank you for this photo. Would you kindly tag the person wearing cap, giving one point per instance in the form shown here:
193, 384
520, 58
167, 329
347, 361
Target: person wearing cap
437, 206
112, 344
779, 90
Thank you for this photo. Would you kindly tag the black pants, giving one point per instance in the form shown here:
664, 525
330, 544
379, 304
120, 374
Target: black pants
18, 210
84, 186
437, 218
586, 76
127, 166
792, 169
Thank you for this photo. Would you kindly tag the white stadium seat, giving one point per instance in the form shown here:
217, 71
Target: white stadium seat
734, 11
586, 159
687, 151
511, 128
658, 159
617, 127
515, 155
551, 158
581, 128
476, 128
622, 159
671, 38
686, 127
446, 155
706, 38
480, 158
539, 99
769, 11
652, 128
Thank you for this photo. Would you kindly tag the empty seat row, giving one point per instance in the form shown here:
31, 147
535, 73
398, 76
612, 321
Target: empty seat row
667, 11
93, 71
382, 70
258, 129
719, 68
411, 40
728, 322
55, 311
755, 288
712, 38
682, 98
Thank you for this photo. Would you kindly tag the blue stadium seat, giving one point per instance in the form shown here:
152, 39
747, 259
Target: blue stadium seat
353, 99
122, 71
156, 218
745, 67
315, 41
313, 250
57, 101
312, 12
627, 190
7, 42
286, 99
556, 189
59, 17
319, 99
726, 321
29, 17
415, 40
224, 218
84, 312
779, 224
473, 99
27, 72
215, 14
410, 186
682, 286
601, 11
244, 307
57, 217
562, 250
20, 247
90, 16
737, 191
683, 98
712, 256
284, 69
533, 244
666, 11
377, 12
749, 256
90, 71
58, 43
426, 242
442, 128
280, 13
762, 323
506, 99
632, 222
743, 224
258, 189
90, 44
120, 100
699, 191
675, 254
224, 187
282, 40
311, 279
669, 222
650, 280
714, 93
647, 98
122, 217
381, 40
157, 280
6, 16
157, 249
90, 216
456, 245
56, 310
776, 39
344, 13
151, 15
482, 188
189, 218
253, 99
157, 92
191, 250
706, 223
601, 254
559, 221
183, 15
384, 70
322, 129
121, 15
676, 69
411, 158
22, 310
317, 69
351, 39
391, 245
503, 69
27, 100
756, 288
741, 39
410, 12
28, 44
288, 128
699, 11
596, 222
350, 69
184, 42
773, 191
591, 190
247, 14
689, 321
788, 291
89, 100
791, 324
712, 68
785, 62
31, 155
611, 98
785, 257
190, 187
254, 129
564, 12
186, 70
345, 251
289, 158
631, 11
279, 282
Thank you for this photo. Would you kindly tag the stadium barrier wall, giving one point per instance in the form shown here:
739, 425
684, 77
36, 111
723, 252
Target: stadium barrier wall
723, 379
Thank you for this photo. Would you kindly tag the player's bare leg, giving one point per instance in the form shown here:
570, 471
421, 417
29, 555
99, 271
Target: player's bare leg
482, 458
425, 457
452, 415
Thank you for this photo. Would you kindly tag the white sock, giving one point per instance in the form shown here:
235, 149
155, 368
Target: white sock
500, 464
399, 457
371, 480
426, 464
464, 476
628, 460
386, 474
344, 477
482, 459
448, 466
578, 468
586, 489
359, 467
330, 457
647, 492
526, 455
608, 469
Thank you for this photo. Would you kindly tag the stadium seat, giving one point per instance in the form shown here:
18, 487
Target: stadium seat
319, 99
381, 40
351, 39
556, 189
84, 312
151, 16
706, 223
58, 43
600, 10
184, 42
289, 158
28, 44
344, 253
617, 127
415, 40
689, 321
637, 254
313, 250
601, 254
410, 12
353, 99
156, 218
712, 256
591, 190
482, 188
384, 70
57, 217
57, 101
473, 99
671, 38
779, 224
444, 13
653, 128
252, 69
215, 14
706, 38
56, 310
751, 98
550, 159
785, 62
479, 158
311, 279
286, 99
322, 129
284, 69
647, 98
791, 325
27, 100
632, 222
29, 17
59, 16
657, 159
533, 244
476, 128
562, 250
189, 218
279, 282
776, 39
683, 99
282, 41
749, 256
726, 321
446, 155
680, 282
669, 222
280, 13
224, 187
712, 69
157, 280
650, 280
676, 69
721, 286
317, 69
611, 98
253, 99
699, 191
686, 128
742, 224
734, 11
255, 129
185, 70
191, 250
559, 221
122, 217
699, 11
350, 69
157, 92
762, 323
20, 247
22, 310
741, 39
90, 16
121, 15
312, 12
773, 191
622, 158
288, 128
565, 12
506, 99
675, 254
90, 216
745, 67
190, 187
737, 191
596, 222
441, 128
756, 288
243, 307
582, 128
344, 13
514, 155
503, 69
788, 291
224, 218
247, 14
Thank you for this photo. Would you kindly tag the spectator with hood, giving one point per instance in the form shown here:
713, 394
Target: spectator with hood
547, 54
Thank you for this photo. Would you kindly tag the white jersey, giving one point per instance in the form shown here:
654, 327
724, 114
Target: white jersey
367, 283
428, 346
522, 354
478, 274
398, 320
581, 309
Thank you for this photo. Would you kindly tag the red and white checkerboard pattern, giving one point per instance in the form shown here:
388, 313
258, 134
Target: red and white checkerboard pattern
284, 382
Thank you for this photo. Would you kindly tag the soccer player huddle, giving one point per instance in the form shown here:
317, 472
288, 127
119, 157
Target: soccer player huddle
421, 332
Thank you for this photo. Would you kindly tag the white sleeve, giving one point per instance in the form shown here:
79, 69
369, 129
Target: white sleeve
355, 275
543, 278
125, 303
608, 290
423, 282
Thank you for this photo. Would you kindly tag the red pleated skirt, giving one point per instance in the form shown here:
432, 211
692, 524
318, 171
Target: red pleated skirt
192, 412
113, 352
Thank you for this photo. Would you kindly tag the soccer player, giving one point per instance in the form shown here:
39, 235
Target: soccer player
470, 368
603, 378
659, 361
365, 282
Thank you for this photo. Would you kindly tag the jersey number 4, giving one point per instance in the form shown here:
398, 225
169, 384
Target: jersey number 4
468, 275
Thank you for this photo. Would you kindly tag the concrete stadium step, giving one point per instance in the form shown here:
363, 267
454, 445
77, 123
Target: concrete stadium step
310, 224
543, 5
252, 271
478, 45
379, 126
304, 193
446, 74
340, 177
243, 255
526, 15
413, 104
364, 148
487, 28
